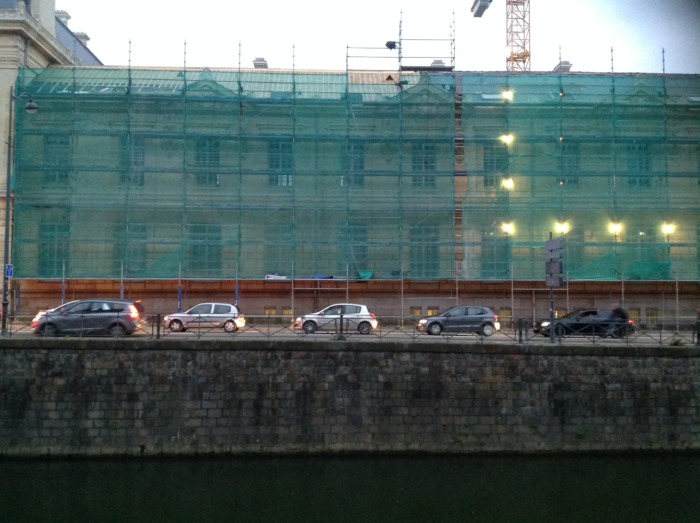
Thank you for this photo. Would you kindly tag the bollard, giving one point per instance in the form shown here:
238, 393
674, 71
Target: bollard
697, 333
158, 326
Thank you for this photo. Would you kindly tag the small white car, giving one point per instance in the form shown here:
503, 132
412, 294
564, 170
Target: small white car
206, 315
354, 317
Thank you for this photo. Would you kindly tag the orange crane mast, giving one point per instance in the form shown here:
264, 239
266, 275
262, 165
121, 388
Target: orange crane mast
517, 31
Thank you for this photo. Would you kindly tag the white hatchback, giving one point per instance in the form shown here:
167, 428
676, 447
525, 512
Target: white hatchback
354, 317
206, 315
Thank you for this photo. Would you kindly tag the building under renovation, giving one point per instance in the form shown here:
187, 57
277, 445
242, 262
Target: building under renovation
394, 181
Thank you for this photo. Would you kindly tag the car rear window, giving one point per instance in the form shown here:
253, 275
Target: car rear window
221, 308
115, 306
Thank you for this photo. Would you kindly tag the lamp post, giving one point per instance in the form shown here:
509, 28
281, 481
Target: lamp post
31, 107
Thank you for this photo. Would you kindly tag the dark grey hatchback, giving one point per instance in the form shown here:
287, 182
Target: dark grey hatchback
94, 316
461, 319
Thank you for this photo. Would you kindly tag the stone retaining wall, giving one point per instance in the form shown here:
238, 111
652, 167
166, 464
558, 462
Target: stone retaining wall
150, 397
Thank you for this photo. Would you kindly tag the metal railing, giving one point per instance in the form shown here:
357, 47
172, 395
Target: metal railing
397, 328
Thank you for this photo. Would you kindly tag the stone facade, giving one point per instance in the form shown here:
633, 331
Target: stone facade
134, 397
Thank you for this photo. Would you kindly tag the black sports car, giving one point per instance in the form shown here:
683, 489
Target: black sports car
589, 322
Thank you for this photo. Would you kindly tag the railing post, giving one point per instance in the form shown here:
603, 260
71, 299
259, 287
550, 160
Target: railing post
158, 326
340, 335
520, 330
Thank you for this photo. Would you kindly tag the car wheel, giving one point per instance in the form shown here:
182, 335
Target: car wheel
309, 327
230, 326
364, 328
117, 331
49, 331
559, 331
487, 329
619, 333
435, 329
176, 326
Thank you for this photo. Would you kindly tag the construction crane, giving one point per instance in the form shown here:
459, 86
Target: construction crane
517, 31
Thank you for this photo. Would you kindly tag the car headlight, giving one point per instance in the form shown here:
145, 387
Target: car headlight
422, 322
544, 324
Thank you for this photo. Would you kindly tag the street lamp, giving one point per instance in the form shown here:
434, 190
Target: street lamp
30, 107
668, 229
506, 138
615, 228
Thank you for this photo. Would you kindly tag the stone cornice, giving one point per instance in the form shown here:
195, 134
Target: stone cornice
16, 22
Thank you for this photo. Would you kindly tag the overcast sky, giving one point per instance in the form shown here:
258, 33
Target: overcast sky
650, 36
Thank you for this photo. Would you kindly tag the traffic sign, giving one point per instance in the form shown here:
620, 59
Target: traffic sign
9, 270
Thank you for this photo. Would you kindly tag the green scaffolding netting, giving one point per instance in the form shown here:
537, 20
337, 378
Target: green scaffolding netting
138, 173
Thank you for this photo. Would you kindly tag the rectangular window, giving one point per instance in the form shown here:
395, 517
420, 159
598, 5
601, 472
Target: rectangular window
569, 163
505, 316
635, 314
278, 248
495, 163
133, 160
415, 311
652, 317
204, 253
495, 256
495, 158
357, 255
207, 160
54, 253
57, 158
353, 165
136, 249
423, 163
425, 259
281, 163
638, 165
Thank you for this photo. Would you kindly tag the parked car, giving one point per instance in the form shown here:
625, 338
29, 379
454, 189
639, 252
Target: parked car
93, 316
589, 322
207, 315
354, 317
462, 318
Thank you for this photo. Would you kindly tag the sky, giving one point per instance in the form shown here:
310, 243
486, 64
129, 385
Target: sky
647, 36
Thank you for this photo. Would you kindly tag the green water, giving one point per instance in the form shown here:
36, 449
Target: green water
664, 488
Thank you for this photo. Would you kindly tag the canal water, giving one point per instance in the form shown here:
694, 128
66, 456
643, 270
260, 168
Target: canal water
585, 488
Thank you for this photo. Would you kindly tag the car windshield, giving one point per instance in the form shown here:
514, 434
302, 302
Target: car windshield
63, 307
202, 308
575, 314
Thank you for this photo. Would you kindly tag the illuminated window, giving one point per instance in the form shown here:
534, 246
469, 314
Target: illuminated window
652, 316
